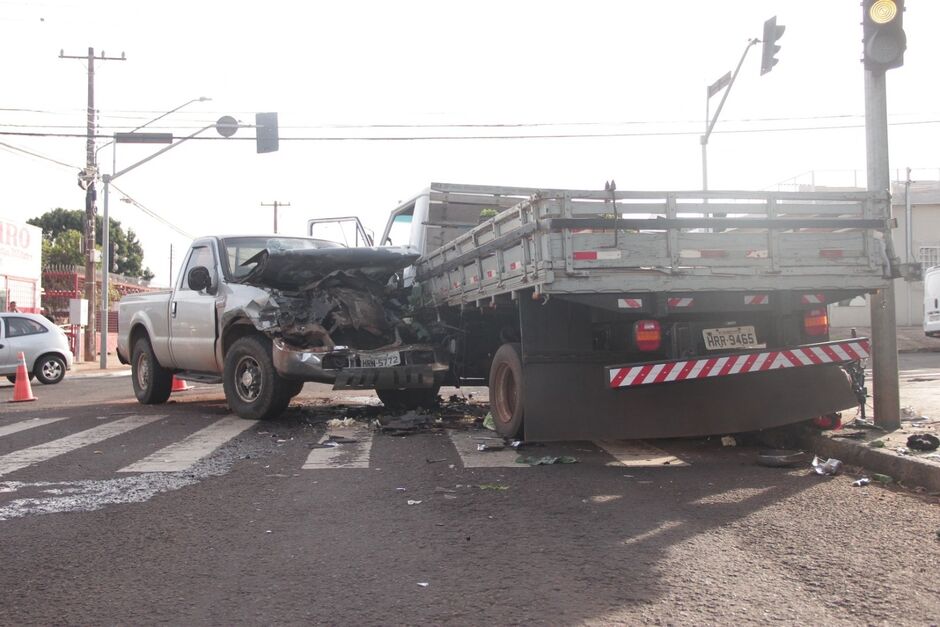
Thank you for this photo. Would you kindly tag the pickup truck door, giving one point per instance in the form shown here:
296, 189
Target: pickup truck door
193, 326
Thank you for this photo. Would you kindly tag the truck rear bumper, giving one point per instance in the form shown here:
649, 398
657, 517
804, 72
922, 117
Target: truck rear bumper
838, 352
412, 366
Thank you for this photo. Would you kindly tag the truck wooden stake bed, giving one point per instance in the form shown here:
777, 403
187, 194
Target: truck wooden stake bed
595, 314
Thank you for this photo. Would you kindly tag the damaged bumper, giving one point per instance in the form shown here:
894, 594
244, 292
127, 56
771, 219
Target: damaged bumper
411, 366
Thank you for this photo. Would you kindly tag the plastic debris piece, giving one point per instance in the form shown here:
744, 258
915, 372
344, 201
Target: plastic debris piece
881, 478
877, 444
341, 422
780, 458
400, 489
489, 422
923, 442
423, 584
728, 440
547, 460
493, 486
932, 456
903, 450
412, 502
830, 467
483, 446
861, 483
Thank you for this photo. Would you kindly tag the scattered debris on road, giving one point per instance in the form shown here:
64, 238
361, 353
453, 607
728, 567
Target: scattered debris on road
881, 478
861, 483
728, 440
923, 442
493, 486
489, 422
547, 460
780, 458
830, 467
413, 502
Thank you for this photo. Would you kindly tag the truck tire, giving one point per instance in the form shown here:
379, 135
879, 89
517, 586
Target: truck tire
507, 389
409, 398
152, 382
253, 388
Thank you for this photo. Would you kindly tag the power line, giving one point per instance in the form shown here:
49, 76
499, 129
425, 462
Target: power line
39, 156
153, 214
499, 137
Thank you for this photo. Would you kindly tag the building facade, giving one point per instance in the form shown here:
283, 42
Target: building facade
20, 265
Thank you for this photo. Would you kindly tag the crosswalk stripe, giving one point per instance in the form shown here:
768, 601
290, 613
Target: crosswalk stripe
46, 451
466, 445
351, 455
23, 425
183, 454
636, 453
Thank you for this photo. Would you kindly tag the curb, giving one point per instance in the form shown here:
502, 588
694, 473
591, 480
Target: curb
908, 470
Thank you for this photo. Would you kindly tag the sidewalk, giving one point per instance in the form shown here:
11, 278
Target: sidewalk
88, 368
910, 339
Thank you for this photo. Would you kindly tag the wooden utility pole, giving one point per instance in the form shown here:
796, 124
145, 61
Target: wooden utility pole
275, 204
87, 181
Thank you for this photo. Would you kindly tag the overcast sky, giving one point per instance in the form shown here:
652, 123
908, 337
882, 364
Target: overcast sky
635, 70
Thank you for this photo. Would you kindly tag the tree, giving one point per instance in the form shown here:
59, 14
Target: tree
62, 236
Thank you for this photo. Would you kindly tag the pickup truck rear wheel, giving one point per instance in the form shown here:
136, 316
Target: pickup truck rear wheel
409, 398
253, 388
152, 382
507, 389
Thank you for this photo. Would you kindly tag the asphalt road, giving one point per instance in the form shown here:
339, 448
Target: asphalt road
115, 513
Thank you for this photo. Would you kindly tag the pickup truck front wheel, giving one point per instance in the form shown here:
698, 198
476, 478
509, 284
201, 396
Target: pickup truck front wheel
152, 382
253, 388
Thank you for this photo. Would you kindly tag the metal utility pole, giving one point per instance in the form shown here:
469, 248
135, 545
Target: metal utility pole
87, 178
886, 395
275, 204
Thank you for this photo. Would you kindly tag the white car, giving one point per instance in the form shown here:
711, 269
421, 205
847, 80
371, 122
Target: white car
932, 302
44, 344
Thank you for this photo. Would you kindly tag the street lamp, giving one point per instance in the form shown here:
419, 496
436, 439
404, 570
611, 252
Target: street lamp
226, 126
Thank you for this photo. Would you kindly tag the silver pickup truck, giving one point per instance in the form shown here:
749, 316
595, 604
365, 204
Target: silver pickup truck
264, 314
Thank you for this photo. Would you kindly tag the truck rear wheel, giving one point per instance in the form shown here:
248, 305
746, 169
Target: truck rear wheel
253, 388
152, 382
409, 398
507, 390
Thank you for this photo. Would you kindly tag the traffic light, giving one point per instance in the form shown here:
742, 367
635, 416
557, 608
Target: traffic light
266, 133
772, 33
884, 39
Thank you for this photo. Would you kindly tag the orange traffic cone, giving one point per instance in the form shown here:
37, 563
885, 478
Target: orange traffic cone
179, 385
21, 389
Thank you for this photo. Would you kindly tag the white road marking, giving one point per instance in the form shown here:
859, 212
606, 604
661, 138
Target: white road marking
183, 454
466, 445
351, 455
637, 453
23, 425
43, 452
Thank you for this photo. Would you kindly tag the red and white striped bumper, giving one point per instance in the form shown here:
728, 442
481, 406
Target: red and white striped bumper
842, 351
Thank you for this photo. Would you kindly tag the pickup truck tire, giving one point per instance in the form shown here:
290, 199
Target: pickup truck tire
409, 398
507, 389
253, 388
152, 382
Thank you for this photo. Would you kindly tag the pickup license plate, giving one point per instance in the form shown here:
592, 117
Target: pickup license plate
730, 338
380, 360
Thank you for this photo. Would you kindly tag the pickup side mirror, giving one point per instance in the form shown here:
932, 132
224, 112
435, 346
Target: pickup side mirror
199, 279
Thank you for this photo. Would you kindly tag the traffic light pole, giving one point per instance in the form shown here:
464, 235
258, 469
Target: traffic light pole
886, 395
710, 123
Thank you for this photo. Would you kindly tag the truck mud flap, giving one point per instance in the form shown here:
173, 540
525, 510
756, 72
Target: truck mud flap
574, 402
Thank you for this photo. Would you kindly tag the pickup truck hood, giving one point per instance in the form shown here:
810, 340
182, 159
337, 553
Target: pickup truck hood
303, 269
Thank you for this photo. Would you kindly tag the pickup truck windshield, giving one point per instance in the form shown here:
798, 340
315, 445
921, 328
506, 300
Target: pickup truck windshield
236, 251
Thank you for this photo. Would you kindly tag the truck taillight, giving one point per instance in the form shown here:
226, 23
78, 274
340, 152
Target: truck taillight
816, 322
647, 335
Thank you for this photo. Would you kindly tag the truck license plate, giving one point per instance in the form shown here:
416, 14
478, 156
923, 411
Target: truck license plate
730, 338
380, 360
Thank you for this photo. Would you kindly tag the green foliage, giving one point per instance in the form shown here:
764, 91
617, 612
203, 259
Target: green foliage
62, 236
